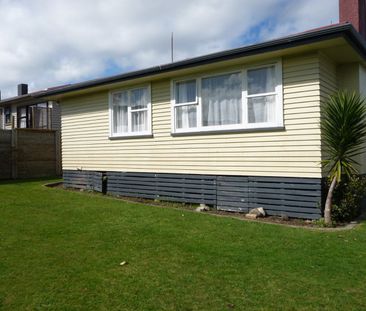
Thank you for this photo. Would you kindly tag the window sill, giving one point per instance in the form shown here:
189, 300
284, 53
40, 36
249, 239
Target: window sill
227, 131
130, 136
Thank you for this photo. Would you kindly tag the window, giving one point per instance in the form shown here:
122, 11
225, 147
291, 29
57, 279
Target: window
261, 95
251, 98
7, 113
221, 100
23, 118
186, 104
131, 112
37, 116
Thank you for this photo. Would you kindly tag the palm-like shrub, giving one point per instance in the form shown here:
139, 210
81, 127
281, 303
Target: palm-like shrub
343, 126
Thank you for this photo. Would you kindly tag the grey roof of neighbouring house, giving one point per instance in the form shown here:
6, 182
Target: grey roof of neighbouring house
30, 96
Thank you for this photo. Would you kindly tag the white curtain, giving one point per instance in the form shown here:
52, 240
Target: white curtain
120, 119
221, 100
186, 116
261, 80
139, 101
139, 121
138, 98
185, 92
261, 109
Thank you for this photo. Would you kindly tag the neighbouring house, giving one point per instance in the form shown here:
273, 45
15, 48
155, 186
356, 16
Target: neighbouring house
236, 129
30, 135
29, 110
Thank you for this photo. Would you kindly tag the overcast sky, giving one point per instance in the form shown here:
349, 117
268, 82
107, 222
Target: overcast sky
47, 43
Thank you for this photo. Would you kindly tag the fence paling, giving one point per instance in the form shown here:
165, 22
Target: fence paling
26, 153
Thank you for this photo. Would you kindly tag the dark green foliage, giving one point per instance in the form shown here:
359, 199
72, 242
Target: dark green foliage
343, 126
347, 199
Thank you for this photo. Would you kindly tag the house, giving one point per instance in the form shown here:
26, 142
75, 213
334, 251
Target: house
235, 129
29, 110
30, 136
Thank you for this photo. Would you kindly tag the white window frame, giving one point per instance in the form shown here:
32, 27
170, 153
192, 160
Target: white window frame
244, 125
175, 105
130, 111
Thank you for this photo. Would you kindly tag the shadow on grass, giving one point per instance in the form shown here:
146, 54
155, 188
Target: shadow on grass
27, 180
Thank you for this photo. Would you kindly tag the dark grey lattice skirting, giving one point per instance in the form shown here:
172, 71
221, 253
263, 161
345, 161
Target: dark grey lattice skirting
294, 197
88, 180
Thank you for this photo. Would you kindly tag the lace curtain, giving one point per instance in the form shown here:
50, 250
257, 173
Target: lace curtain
221, 100
261, 109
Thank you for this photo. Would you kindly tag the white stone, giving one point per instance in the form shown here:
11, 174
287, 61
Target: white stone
202, 208
259, 212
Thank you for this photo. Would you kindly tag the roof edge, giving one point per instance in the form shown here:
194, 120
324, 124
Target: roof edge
345, 30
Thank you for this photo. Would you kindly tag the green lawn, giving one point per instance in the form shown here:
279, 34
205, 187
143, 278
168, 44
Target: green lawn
61, 250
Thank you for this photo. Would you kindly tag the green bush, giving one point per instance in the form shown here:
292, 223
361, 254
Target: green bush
347, 199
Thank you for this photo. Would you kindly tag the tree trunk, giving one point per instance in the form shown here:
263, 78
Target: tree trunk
328, 202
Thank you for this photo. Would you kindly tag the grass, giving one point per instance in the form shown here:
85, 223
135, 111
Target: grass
61, 250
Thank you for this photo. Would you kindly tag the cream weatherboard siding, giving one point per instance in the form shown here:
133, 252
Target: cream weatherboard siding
293, 152
328, 86
352, 77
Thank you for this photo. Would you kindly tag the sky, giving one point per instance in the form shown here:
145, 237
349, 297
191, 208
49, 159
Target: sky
46, 43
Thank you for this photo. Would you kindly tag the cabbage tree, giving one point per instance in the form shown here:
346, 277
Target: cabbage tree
343, 126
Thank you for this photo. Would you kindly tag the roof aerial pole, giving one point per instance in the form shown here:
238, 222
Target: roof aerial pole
172, 46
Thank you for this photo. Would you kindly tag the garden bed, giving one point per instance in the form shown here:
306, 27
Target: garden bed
279, 220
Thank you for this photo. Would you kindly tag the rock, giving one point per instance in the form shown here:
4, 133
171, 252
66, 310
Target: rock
202, 208
259, 212
262, 211
251, 216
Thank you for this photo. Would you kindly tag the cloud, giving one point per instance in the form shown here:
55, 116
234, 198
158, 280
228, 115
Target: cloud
46, 43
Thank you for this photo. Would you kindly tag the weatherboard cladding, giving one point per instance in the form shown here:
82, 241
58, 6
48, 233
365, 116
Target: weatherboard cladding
293, 151
294, 197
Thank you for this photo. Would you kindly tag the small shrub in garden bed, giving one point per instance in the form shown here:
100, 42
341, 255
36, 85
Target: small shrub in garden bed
348, 198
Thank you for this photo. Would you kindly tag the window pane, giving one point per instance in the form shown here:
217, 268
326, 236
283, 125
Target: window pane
261, 80
23, 112
40, 117
221, 100
186, 116
139, 98
120, 107
22, 123
139, 121
185, 92
120, 99
7, 115
261, 109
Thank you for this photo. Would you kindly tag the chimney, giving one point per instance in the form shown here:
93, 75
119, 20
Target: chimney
354, 12
22, 89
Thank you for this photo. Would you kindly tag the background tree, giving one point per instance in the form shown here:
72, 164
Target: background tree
343, 126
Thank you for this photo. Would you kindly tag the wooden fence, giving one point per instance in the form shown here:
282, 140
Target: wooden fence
29, 153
